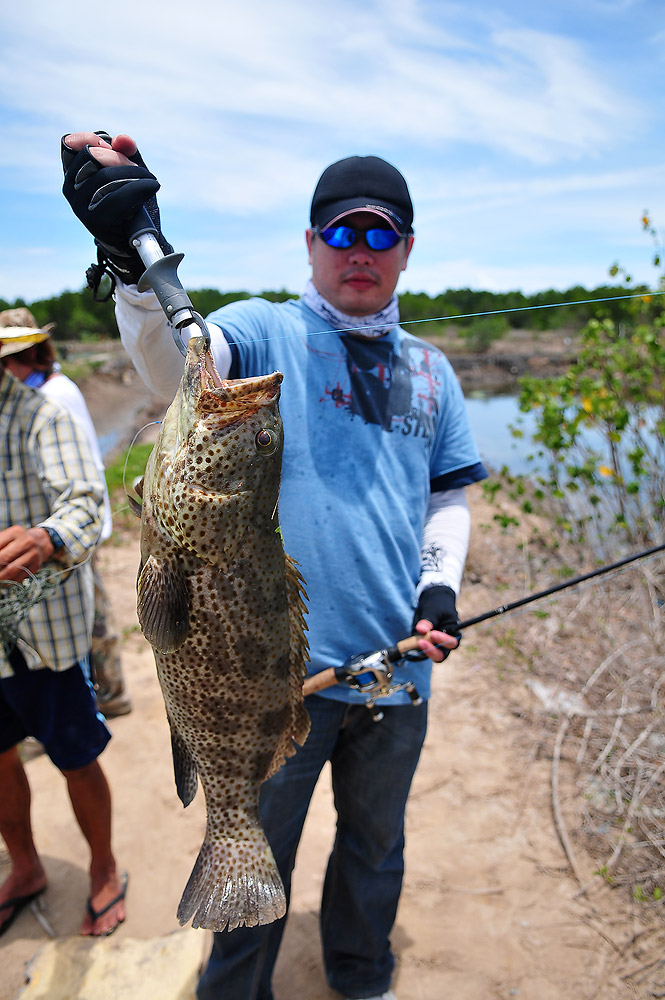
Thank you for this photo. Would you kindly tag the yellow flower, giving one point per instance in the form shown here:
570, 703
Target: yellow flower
605, 471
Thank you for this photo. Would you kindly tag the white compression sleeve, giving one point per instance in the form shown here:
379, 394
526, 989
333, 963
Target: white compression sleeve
147, 337
445, 540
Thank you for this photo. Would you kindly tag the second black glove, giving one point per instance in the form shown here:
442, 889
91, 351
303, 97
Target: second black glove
437, 605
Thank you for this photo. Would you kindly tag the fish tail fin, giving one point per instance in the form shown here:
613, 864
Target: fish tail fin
233, 882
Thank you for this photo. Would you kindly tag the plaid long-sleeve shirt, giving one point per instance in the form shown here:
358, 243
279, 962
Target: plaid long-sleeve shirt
48, 478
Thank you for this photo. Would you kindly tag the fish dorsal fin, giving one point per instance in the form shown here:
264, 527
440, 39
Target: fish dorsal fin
163, 604
295, 589
298, 656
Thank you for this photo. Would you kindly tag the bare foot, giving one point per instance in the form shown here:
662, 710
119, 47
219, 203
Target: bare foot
105, 909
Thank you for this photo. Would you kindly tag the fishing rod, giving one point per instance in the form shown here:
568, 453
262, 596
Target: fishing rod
503, 608
372, 673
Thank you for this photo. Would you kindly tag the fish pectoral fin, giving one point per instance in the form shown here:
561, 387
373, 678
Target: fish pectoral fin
184, 768
163, 604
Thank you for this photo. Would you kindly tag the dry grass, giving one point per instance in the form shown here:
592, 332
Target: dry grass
585, 671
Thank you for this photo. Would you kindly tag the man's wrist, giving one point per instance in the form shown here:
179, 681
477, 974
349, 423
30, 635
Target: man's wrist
55, 540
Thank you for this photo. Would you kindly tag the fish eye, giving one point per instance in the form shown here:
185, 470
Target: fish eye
266, 441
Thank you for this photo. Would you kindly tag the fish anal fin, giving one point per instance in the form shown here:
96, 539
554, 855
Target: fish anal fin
163, 604
184, 768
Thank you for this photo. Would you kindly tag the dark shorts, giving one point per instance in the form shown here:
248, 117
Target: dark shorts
58, 708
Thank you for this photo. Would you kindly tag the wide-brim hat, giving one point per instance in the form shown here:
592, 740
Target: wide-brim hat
19, 330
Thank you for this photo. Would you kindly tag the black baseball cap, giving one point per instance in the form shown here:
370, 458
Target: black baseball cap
362, 183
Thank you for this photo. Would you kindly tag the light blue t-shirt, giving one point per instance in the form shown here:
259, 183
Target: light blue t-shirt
368, 426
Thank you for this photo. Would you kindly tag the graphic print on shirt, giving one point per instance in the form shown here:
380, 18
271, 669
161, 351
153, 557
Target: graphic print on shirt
398, 392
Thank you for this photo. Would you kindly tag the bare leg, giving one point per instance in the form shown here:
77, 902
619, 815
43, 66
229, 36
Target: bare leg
27, 874
91, 801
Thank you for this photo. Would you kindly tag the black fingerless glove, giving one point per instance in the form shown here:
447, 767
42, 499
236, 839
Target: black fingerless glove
437, 605
106, 199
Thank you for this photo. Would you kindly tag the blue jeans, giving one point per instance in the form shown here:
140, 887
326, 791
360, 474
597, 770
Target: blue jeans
373, 764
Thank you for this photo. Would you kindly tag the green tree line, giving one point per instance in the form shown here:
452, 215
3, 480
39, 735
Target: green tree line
485, 315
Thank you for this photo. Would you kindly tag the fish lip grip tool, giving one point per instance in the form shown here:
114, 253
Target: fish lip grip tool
161, 275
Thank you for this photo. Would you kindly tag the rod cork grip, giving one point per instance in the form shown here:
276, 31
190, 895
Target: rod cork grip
411, 643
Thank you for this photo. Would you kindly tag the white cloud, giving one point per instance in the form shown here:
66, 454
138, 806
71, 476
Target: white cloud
278, 78
505, 130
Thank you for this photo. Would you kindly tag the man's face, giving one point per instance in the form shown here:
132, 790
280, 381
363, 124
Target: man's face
357, 281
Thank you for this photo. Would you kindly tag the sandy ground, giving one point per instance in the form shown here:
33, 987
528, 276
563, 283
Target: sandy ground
490, 908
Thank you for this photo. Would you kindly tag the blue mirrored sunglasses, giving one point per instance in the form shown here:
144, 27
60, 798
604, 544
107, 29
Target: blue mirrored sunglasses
343, 237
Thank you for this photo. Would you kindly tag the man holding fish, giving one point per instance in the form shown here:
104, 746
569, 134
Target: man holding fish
377, 453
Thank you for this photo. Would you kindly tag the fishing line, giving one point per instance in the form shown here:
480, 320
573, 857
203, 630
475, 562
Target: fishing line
18, 597
152, 423
453, 318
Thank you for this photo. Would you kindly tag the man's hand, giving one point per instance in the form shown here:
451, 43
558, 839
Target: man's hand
113, 153
23, 551
107, 184
436, 616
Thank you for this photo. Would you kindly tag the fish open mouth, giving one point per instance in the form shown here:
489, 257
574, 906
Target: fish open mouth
231, 398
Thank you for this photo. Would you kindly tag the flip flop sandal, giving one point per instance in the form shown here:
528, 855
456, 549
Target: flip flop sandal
16, 904
96, 914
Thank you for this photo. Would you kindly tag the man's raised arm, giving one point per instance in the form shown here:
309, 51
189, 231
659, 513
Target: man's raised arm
107, 183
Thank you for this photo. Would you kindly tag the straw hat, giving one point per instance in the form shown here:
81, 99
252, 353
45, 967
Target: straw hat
19, 330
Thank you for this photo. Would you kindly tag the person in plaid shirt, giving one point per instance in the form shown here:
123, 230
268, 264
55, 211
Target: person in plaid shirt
51, 498
33, 361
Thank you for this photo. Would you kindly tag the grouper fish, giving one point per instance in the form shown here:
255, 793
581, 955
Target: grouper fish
223, 607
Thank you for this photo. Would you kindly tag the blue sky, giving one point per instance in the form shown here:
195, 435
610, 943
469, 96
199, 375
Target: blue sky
531, 135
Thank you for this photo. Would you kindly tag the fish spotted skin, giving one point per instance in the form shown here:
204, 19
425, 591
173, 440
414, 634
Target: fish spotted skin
223, 607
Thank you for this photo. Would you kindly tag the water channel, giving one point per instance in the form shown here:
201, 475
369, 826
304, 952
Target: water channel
491, 418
